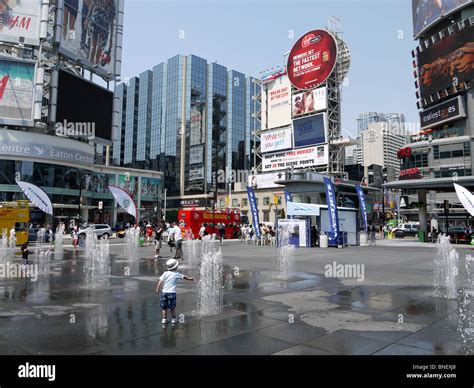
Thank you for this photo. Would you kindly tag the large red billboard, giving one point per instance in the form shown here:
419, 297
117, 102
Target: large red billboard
447, 63
312, 59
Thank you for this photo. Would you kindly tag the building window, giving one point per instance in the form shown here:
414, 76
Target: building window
266, 201
436, 152
467, 148
244, 202
221, 203
235, 202
266, 216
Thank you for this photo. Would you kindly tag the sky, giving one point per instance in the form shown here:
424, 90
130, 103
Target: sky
252, 36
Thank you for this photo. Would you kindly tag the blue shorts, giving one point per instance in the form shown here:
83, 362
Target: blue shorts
168, 300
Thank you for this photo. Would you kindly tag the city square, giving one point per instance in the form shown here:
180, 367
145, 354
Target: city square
291, 180
392, 311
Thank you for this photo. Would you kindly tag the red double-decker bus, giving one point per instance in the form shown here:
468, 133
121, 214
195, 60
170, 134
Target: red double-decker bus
195, 218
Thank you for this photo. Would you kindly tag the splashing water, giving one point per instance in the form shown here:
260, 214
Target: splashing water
210, 288
133, 240
97, 262
42, 252
58, 240
446, 269
286, 252
466, 309
191, 253
4, 249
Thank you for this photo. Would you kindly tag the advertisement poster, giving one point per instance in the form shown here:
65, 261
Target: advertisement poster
150, 188
17, 81
20, 20
276, 103
265, 181
448, 62
310, 130
196, 174
196, 154
276, 140
129, 184
99, 183
293, 230
312, 59
427, 12
311, 101
298, 158
90, 32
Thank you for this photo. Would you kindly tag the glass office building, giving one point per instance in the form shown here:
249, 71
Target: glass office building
192, 120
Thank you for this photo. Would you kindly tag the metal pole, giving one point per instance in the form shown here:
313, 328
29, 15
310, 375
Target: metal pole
383, 212
164, 216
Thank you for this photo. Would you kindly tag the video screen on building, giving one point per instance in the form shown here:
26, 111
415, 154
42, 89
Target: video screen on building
310, 130
89, 105
92, 33
448, 62
428, 12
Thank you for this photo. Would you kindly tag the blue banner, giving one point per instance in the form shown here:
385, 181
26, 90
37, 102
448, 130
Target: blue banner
254, 211
333, 238
363, 207
288, 198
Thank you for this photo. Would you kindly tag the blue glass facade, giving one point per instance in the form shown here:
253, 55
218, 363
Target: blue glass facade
131, 120
118, 148
144, 120
191, 120
158, 108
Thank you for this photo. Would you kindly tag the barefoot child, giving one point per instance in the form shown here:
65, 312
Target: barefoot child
167, 285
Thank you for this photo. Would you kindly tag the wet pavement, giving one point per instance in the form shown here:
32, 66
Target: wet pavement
392, 311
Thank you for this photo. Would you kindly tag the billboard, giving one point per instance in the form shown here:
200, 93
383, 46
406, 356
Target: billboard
427, 12
442, 113
20, 21
312, 59
310, 130
90, 104
196, 154
17, 83
276, 103
196, 174
447, 63
91, 33
298, 158
265, 181
310, 101
276, 140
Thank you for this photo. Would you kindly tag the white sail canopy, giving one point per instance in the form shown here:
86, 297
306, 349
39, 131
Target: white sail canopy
37, 196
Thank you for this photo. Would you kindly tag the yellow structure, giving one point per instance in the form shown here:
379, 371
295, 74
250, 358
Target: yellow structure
15, 214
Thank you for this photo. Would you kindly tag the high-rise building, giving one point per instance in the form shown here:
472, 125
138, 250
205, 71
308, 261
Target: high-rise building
440, 153
380, 144
192, 120
394, 122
